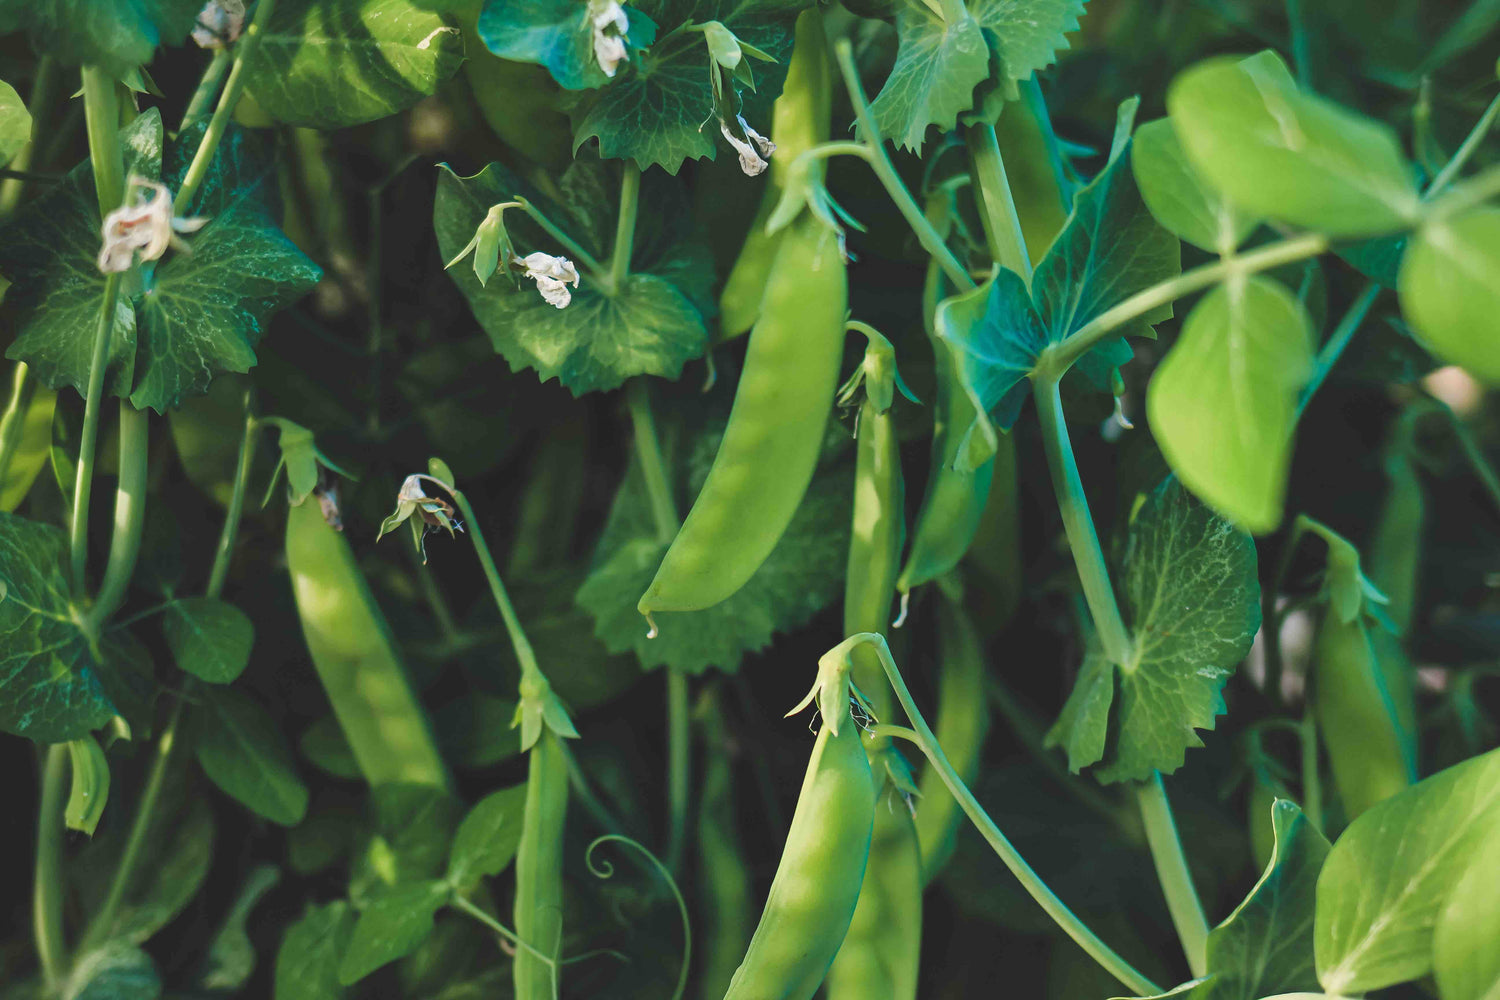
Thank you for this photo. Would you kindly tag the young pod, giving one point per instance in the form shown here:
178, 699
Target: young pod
539, 859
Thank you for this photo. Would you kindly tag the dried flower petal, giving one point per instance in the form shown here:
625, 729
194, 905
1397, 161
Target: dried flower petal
552, 276
145, 226
219, 23
753, 158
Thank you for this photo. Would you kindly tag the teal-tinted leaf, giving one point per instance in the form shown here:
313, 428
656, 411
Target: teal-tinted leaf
307, 963
88, 788
1465, 961
231, 956
557, 34
937, 68
114, 971
1277, 152
49, 251
1383, 887
119, 35
391, 927
243, 752
487, 838
15, 123
996, 336
1177, 196
208, 638
1377, 258
1223, 405
332, 63
649, 326
1450, 290
202, 313
1082, 728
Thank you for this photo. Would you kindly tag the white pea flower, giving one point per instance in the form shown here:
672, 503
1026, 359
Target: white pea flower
219, 23
609, 46
552, 275
145, 225
753, 158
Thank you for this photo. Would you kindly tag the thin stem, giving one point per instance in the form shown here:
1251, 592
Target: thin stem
522, 645
1312, 784
1471, 143
678, 764
1030, 881
464, 906
579, 784
1301, 44
881, 164
1058, 359
130, 516
101, 108
1083, 539
83, 482
588, 260
1337, 341
231, 529
1172, 872
13, 421
1473, 453
224, 111
653, 467
1002, 224
619, 258
1462, 197
47, 892
208, 86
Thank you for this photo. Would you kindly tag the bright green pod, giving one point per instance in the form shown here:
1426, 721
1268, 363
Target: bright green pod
775, 432
798, 123
879, 530
539, 887
356, 659
818, 880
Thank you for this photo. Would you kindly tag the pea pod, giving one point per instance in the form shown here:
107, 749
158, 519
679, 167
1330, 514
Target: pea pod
1395, 561
355, 657
775, 431
799, 122
538, 909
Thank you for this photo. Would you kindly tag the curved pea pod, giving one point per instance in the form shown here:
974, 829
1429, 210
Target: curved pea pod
355, 657
818, 880
798, 123
775, 431
539, 886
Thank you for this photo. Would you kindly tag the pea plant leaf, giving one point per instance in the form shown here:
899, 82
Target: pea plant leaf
15, 123
488, 838
118, 35
1194, 606
1449, 291
115, 970
307, 961
1465, 962
1110, 249
242, 751
333, 63
1280, 153
1383, 888
231, 956
1223, 404
661, 111
1178, 198
557, 35
208, 638
409, 835
647, 326
391, 927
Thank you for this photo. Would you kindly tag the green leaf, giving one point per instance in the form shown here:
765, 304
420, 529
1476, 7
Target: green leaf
1450, 290
208, 638
1465, 961
15, 123
487, 838
170, 869
307, 963
49, 252
114, 971
557, 35
324, 744
242, 751
1223, 405
1177, 196
649, 326
329, 64
1383, 888
231, 956
413, 826
938, 65
391, 927
119, 35
1277, 152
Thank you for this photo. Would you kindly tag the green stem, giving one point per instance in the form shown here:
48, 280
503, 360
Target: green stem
130, 515
1030, 881
619, 259
1337, 341
1471, 143
13, 421
101, 107
1462, 197
1057, 359
83, 482
679, 773
1172, 872
881, 164
1083, 539
47, 892
522, 645
231, 529
1002, 224
39, 103
578, 783
582, 256
1473, 453
464, 906
653, 467
224, 111
1312, 784
208, 86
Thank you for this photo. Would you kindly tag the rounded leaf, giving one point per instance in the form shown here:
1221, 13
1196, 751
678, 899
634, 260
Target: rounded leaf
1450, 290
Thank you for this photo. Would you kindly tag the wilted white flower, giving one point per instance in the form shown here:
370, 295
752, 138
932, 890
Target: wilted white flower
145, 225
219, 23
609, 45
552, 275
753, 158
425, 512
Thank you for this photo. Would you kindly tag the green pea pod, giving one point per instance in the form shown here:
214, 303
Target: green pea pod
25, 436
818, 880
90, 787
724, 878
538, 910
799, 122
1395, 561
775, 431
962, 722
355, 657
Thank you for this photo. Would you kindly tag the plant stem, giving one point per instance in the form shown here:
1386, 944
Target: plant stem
588, 260
1473, 453
678, 764
522, 645
1002, 225
1471, 143
881, 164
1058, 358
83, 482
208, 86
464, 906
101, 107
653, 467
47, 892
1030, 881
231, 529
1337, 341
578, 783
1312, 784
1083, 539
1461, 197
224, 111
13, 421
130, 514
619, 259
1173, 874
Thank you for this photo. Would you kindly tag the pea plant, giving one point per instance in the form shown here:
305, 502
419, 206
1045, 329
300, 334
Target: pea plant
1088, 413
